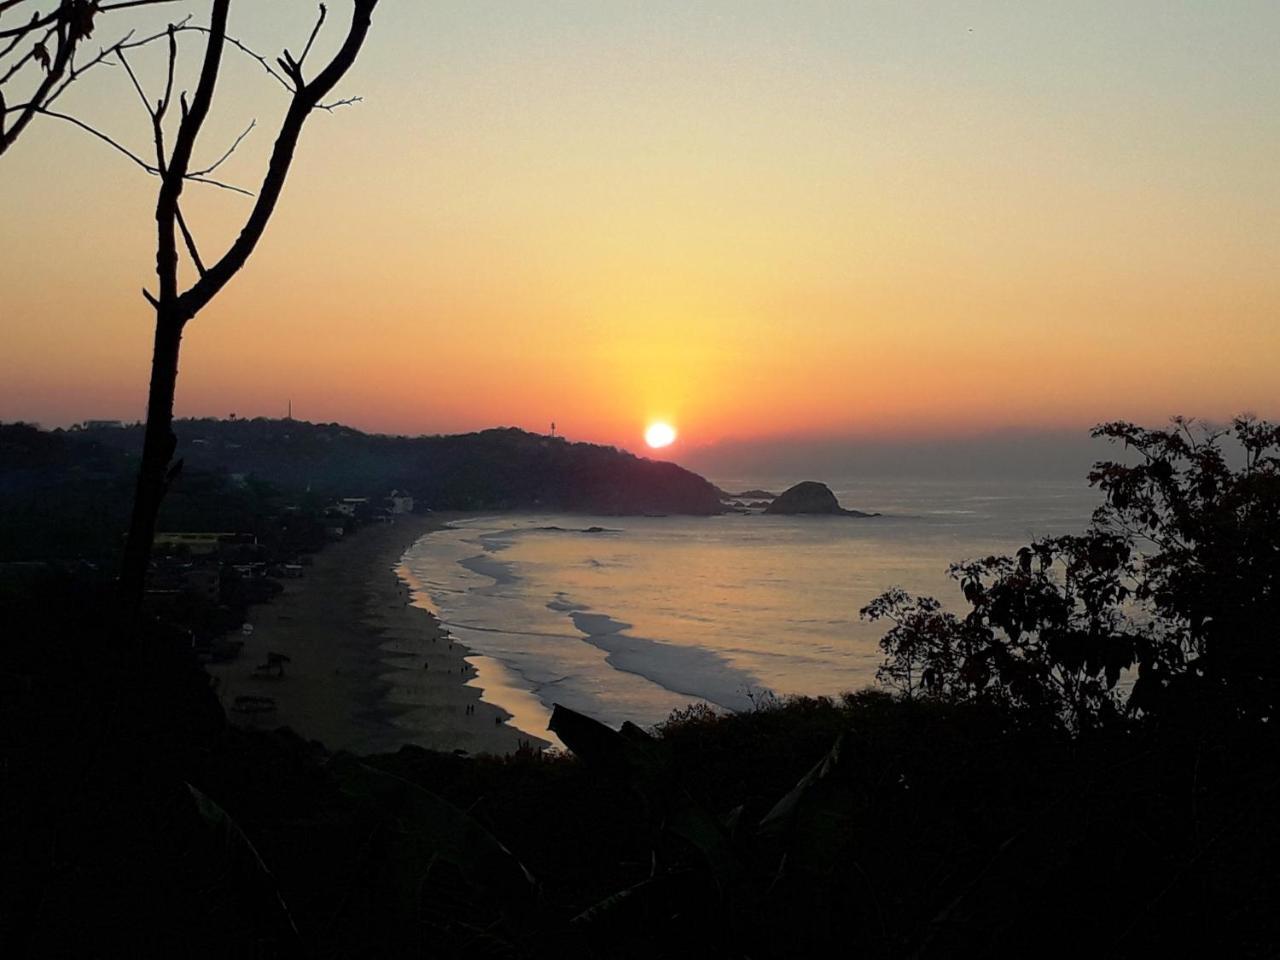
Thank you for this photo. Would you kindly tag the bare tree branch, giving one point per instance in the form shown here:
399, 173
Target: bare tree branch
171, 183
63, 11
312, 39
146, 104
191, 244
101, 136
220, 184
9, 49
230, 150
35, 23
344, 102
194, 177
123, 4
69, 23
27, 57
245, 49
168, 82
306, 98
56, 68
174, 309
103, 58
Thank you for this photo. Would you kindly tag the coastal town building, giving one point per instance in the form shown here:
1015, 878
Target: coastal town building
399, 502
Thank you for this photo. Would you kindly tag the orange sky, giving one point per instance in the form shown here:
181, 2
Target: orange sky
751, 219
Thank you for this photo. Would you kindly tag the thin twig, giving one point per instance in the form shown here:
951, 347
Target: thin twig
146, 104
124, 43
305, 99
35, 23
101, 136
230, 150
149, 168
220, 184
312, 39
130, 3
345, 102
168, 83
247, 51
191, 243
25, 58
58, 14
9, 49
291, 69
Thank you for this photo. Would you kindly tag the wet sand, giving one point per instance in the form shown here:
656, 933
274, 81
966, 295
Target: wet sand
368, 671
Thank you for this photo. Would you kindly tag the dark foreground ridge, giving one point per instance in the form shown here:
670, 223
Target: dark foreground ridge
138, 823
809, 496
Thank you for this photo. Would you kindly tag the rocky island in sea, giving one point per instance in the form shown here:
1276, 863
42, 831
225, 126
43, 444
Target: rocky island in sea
811, 497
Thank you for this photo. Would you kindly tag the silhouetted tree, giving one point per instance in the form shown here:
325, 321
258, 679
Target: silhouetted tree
39, 40
1211, 570
1045, 634
174, 306
1177, 578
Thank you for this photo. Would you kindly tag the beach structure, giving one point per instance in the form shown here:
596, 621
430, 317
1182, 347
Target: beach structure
399, 502
349, 506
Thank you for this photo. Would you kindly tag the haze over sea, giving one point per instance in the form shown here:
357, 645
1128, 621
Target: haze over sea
629, 618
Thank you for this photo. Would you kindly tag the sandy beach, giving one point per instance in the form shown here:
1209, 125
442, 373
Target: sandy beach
368, 670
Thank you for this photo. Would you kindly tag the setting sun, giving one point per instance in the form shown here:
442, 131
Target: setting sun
659, 435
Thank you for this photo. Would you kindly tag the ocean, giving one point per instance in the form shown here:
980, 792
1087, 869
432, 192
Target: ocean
630, 618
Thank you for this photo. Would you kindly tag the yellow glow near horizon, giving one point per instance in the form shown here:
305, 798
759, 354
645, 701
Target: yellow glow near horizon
659, 435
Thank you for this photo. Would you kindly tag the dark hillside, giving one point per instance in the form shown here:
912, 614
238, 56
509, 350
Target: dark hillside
502, 468
60, 499
66, 494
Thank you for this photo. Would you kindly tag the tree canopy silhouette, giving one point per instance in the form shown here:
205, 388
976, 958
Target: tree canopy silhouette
1175, 587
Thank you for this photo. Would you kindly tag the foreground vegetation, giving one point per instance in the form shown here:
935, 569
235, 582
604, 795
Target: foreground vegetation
138, 824
1085, 762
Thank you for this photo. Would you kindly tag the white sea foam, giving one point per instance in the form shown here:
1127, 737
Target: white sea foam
630, 618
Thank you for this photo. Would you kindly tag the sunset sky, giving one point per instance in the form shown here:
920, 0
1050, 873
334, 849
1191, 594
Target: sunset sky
750, 219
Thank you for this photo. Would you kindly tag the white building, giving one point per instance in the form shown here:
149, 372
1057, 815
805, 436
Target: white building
400, 502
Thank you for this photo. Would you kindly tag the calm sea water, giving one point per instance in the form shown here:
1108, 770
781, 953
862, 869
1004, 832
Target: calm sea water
630, 618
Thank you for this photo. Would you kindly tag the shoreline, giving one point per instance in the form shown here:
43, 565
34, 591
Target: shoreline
370, 669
